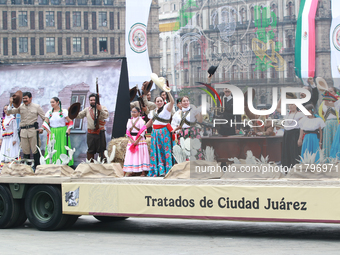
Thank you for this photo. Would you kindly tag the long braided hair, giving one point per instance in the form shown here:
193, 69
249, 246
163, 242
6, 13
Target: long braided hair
60, 111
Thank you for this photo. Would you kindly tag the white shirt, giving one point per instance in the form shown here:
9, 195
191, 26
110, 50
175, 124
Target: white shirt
164, 114
55, 120
191, 117
289, 120
311, 124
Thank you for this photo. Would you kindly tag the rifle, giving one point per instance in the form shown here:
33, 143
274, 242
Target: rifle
96, 121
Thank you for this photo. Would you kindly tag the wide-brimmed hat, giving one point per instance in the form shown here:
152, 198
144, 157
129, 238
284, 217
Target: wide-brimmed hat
321, 84
73, 110
133, 93
148, 86
212, 70
17, 98
160, 82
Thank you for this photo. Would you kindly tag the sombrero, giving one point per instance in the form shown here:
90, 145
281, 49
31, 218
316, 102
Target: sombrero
321, 84
147, 86
73, 110
133, 93
17, 98
160, 82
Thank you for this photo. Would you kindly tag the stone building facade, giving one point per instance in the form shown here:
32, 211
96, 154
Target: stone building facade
252, 42
59, 30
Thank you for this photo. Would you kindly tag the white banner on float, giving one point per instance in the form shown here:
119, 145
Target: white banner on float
136, 47
335, 42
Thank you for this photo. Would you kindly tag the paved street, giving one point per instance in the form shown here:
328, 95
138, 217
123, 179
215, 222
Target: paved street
167, 236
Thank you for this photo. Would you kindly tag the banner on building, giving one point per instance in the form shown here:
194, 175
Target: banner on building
335, 42
305, 40
136, 47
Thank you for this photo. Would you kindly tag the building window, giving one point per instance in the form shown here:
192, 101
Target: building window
103, 44
43, 2
290, 70
96, 2
79, 96
77, 44
22, 19
28, 1
108, 2
252, 13
290, 10
55, 2
243, 15
49, 19
76, 19
50, 44
168, 44
82, 2
16, 1
70, 2
102, 19
23, 44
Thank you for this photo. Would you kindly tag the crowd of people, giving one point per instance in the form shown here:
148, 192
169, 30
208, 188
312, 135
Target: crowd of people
319, 130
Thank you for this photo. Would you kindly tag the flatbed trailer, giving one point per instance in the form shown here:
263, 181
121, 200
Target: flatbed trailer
52, 203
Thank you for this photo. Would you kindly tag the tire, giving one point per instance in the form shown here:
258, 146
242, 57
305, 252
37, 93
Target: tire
22, 214
43, 207
70, 221
109, 218
9, 208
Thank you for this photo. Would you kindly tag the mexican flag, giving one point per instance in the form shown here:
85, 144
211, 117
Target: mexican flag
305, 40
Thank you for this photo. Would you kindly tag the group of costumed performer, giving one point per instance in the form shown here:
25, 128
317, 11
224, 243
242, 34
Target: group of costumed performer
58, 123
9, 139
185, 120
137, 158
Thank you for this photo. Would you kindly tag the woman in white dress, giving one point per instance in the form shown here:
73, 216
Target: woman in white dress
58, 123
9, 139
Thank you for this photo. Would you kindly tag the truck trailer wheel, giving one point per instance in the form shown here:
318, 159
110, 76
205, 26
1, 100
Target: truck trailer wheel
22, 214
109, 218
9, 208
43, 207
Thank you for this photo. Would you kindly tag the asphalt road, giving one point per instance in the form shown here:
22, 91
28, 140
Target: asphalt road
167, 236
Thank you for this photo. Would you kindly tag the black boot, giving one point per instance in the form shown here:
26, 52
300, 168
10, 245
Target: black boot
36, 157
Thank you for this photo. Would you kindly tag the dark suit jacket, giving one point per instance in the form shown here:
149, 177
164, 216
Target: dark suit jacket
226, 129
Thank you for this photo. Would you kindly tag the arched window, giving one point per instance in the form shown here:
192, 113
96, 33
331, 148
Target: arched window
252, 13
243, 15
185, 50
274, 8
290, 10
198, 17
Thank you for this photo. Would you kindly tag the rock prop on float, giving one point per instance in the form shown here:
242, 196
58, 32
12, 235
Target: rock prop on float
121, 144
54, 170
197, 169
98, 171
314, 171
252, 171
18, 170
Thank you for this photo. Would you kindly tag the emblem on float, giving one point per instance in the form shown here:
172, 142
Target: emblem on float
137, 38
305, 35
336, 37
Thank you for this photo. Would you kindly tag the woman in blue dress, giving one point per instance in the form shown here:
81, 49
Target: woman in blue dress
162, 140
311, 134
